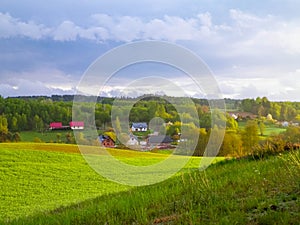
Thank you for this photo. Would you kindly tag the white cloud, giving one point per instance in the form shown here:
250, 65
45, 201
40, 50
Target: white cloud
37, 82
12, 27
242, 31
263, 49
66, 31
122, 28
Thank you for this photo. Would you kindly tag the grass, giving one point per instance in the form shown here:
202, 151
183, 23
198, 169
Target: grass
47, 136
33, 181
273, 129
38, 177
59, 188
270, 129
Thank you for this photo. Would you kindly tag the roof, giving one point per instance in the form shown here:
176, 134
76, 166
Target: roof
77, 123
160, 139
105, 137
56, 124
133, 136
139, 125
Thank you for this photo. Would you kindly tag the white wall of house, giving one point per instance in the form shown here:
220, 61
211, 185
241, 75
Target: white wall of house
77, 127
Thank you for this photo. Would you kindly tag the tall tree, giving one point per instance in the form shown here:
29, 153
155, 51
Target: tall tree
3, 129
261, 126
250, 136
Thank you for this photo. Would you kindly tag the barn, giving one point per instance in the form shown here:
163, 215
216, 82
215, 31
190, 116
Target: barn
107, 141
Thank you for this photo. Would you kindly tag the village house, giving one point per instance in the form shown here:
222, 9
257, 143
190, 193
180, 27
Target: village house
55, 125
132, 141
74, 125
77, 125
58, 126
242, 115
106, 141
139, 127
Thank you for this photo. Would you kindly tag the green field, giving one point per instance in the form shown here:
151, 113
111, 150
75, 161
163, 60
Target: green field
269, 129
47, 136
40, 177
52, 184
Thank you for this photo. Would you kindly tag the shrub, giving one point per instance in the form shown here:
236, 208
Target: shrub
37, 140
272, 146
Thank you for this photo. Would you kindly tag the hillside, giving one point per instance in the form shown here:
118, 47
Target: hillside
229, 192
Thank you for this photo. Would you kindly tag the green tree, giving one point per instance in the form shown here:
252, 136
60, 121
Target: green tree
262, 127
118, 128
231, 123
232, 145
292, 134
58, 137
247, 105
275, 110
36, 120
16, 137
69, 138
250, 136
14, 124
205, 121
4, 133
202, 142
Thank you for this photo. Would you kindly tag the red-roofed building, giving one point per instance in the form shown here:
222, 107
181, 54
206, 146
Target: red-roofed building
77, 125
55, 125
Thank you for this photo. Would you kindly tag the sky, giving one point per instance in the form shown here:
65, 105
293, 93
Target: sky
252, 48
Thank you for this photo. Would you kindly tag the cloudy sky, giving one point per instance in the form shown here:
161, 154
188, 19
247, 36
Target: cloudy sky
251, 47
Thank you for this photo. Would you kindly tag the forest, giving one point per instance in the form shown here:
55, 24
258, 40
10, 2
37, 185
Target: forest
18, 114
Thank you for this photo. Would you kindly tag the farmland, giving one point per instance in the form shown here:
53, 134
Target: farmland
37, 177
52, 184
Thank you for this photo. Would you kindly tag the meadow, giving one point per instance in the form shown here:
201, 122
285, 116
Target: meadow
47, 136
268, 130
52, 184
37, 177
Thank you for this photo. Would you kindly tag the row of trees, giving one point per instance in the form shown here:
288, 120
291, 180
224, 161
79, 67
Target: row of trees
283, 111
5, 134
19, 114
37, 113
247, 141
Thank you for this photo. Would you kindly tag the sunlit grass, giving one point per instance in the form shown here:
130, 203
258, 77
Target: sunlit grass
37, 177
56, 186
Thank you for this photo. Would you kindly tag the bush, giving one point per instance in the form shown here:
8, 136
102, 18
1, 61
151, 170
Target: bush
37, 140
272, 146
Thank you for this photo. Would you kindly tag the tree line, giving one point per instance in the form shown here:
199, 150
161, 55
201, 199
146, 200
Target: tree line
36, 113
282, 111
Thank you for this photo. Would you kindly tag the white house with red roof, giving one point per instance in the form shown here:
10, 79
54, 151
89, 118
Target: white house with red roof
77, 125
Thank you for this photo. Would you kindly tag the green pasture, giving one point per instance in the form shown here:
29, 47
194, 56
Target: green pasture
273, 129
269, 128
38, 177
47, 136
52, 184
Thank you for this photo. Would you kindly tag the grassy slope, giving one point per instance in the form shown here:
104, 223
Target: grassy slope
34, 181
36, 177
235, 192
